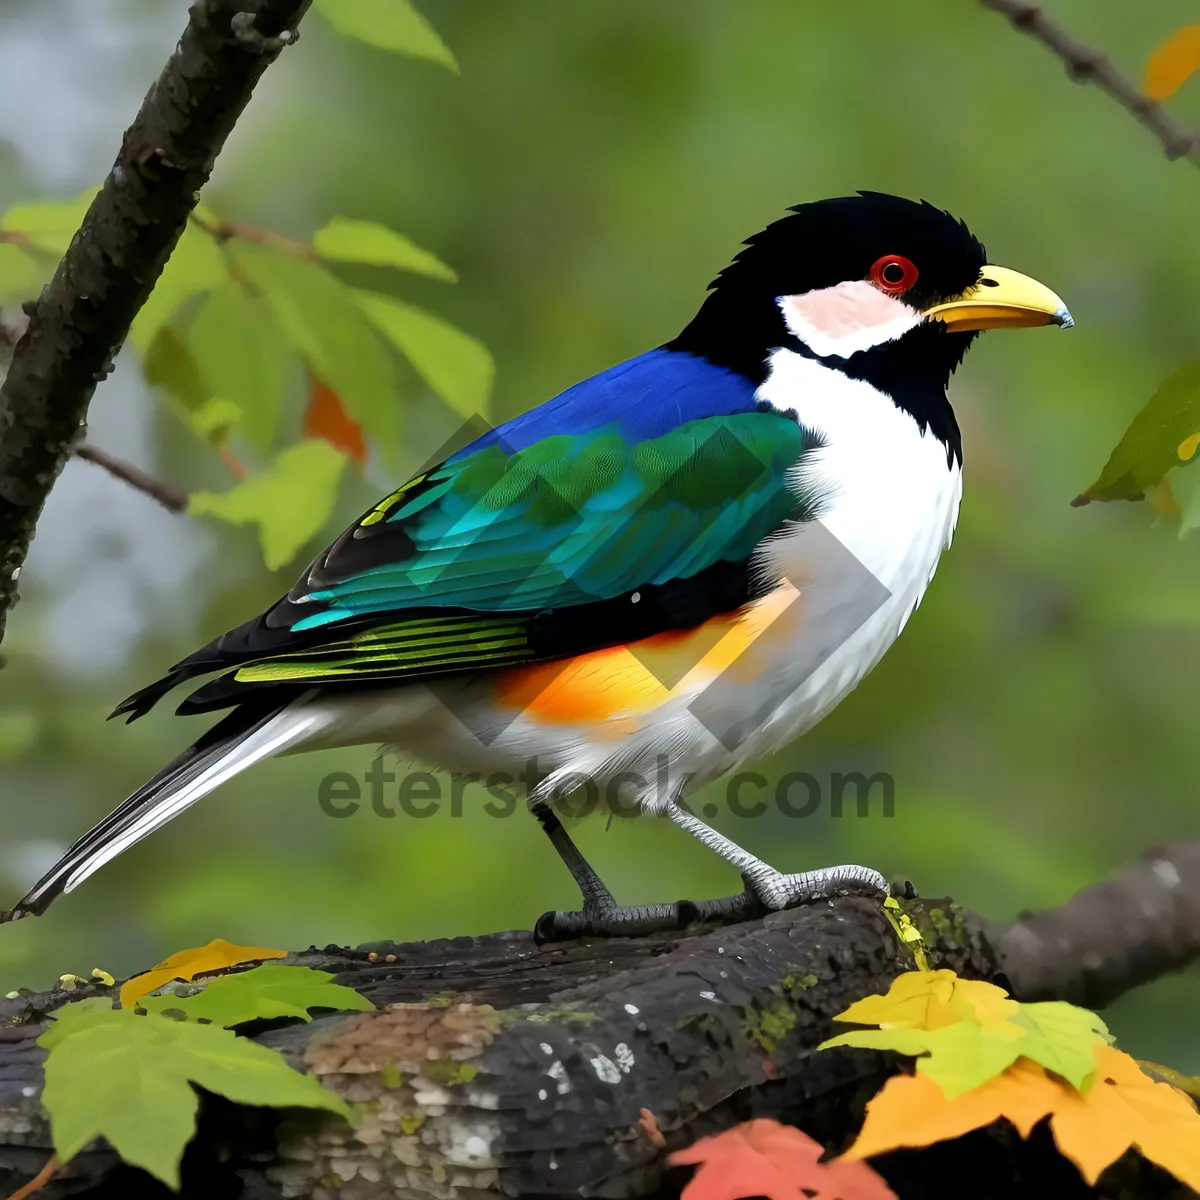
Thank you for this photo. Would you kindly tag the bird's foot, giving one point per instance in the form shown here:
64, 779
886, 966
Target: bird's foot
776, 890
766, 891
614, 920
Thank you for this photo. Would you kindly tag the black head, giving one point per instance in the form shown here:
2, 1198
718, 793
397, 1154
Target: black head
908, 251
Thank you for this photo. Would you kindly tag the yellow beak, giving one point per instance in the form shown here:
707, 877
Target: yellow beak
1002, 299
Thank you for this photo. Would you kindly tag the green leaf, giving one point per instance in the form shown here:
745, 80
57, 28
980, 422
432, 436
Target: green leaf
170, 365
265, 992
457, 367
346, 240
957, 1057
49, 226
196, 266
966, 1054
1157, 439
242, 356
388, 24
289, 503
71, 1018
128, 1078
20, 273
215, 418
319, 316
1063, 1038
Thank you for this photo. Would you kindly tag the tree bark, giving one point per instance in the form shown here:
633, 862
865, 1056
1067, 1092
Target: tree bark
81, 319
497, 1067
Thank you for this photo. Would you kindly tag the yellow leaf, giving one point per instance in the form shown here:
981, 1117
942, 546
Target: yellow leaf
187, 964
931, 1000
1173, 62
1125, 1108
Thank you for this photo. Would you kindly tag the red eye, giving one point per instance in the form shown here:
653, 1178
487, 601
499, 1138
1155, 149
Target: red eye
894, 274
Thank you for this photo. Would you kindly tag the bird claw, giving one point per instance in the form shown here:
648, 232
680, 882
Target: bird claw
766, 891
614, 920
777, 891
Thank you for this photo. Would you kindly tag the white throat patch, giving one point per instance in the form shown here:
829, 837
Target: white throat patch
847, 318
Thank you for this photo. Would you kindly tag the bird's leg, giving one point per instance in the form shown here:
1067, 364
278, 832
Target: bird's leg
600, 915
767, 889
596, 897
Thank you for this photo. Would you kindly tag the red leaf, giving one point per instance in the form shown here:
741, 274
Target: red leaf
765, 1158
327, 418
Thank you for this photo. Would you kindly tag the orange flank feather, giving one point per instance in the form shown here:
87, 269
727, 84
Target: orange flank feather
633, 680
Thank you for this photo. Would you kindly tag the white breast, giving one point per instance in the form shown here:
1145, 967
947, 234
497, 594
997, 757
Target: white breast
890, 505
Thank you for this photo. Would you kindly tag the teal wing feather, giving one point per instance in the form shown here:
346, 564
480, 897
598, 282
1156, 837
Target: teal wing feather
499, 557
568, 521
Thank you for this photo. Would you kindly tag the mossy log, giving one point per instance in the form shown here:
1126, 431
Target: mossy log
497, 1067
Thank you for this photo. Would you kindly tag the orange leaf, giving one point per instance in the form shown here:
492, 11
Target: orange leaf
187, 964
765, 1158
1127, 1108
327, 418
1173, 62
1124, 1108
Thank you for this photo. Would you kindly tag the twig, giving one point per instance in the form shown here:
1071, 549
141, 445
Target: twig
1086, 65
173, 499
39, 1181
82, 317
230, 459
222, 231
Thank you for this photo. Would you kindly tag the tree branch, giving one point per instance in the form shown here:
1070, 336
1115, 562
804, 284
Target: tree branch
496, 1067
173, 499
1110, 937
1086, 65
78, 324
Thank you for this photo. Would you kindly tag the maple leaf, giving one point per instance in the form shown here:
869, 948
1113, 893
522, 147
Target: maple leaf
967, 1054
1125, 1108
187, 964
765, 1158
326, 417
969, 1031
931, 1000
263, 993
127, 1078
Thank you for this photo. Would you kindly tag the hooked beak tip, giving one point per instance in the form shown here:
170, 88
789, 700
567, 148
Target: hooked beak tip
1063, 318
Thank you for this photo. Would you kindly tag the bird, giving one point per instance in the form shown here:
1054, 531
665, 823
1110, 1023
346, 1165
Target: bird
677, 566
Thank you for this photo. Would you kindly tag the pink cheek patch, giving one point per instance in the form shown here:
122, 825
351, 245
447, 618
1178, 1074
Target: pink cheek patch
851, 316
847, 308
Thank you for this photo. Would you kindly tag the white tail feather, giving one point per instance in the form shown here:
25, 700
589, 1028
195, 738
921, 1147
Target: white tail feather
285, 730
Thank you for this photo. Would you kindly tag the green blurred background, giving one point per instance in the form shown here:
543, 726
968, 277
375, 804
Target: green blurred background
587, 174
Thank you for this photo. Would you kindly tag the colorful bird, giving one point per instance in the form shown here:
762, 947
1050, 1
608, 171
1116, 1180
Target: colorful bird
678, 565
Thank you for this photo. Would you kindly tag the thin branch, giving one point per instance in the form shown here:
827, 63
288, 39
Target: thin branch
222, 231
82, 317
39, 1181
173, 499
1086, 65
